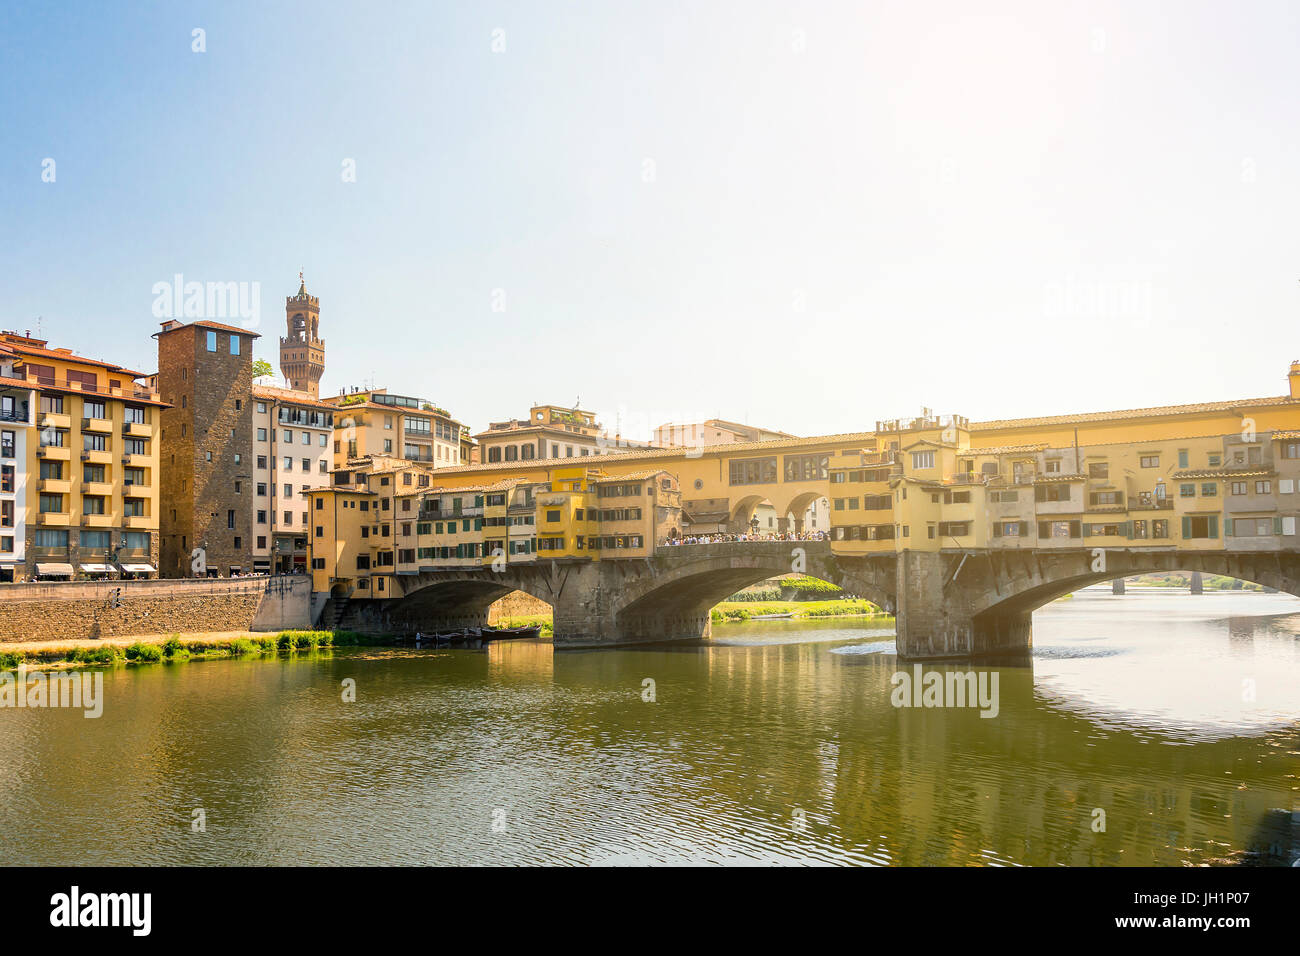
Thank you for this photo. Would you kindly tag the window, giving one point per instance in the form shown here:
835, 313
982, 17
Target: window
93, 409
1160, 528
51, 504
1209, 489
1060, 529
234, 350
7, 477
1052, 492
922, 460
95, 540
1099, 469
212, 341
92, 504
6, 444
1239, 487
93, 442
806, 467
135, 540
1149, 461
133, 507
261, 434
1263, 487
1200, 526
230, 519
1187, 490
136, 446
1182, 458
751, 471
133, 415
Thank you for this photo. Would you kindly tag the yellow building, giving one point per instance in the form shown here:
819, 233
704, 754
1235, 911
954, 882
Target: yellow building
382, 520
372, 422
78, 466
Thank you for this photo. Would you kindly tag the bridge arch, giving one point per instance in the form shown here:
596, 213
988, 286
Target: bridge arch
674, 600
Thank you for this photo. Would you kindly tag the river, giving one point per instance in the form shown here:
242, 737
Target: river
1172, 721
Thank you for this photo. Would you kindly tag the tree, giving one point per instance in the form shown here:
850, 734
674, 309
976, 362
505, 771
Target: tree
262, 367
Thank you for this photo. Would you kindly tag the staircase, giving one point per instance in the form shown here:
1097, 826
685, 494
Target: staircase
333, 613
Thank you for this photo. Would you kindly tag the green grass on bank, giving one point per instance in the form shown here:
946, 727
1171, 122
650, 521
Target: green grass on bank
175, 650
735, 611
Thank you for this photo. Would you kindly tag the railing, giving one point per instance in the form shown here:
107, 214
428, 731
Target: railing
135, 391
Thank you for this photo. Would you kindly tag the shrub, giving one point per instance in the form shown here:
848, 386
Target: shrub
10, 659
144, 653
242, 646
172, 646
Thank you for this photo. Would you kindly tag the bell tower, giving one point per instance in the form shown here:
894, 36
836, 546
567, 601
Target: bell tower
302, 351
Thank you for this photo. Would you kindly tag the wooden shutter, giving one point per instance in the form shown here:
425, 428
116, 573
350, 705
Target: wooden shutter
1187, 527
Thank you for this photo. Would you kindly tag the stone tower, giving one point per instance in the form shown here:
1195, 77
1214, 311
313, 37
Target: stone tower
302, 352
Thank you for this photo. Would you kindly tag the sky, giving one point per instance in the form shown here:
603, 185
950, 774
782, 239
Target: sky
805, 216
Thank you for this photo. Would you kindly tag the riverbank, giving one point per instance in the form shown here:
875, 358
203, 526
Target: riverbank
736, 611
172, 648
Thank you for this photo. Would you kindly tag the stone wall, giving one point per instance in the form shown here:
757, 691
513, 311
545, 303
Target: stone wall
62, 611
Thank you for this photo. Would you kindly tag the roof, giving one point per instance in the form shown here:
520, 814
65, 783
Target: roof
633, 476
1287, 436
290, 396
206, 324
650, 454
66, 355
1222, 473
1002, 450
1156, 411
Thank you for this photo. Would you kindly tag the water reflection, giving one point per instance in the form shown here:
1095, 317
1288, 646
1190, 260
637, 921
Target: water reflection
774, 743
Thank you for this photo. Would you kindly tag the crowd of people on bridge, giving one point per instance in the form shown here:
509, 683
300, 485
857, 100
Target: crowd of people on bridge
737, 537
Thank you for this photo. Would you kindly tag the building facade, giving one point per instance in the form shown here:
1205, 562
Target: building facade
372, 423
205, 372
293, 440
79, 466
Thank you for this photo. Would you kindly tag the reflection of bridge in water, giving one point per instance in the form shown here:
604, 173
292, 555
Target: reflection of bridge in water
949, 604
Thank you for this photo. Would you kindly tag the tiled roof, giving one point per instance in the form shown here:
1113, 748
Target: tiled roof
1222, 473
290, 396
1157, 411
67, 356
1287, 436
206, 324
1002, 450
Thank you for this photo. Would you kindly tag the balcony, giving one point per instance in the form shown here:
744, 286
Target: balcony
97, 456
54, 420
98, 521
137, 430
54, 453
140, 523
136, 490
137, 461
54, 519
100, 425
55, 486
100, 488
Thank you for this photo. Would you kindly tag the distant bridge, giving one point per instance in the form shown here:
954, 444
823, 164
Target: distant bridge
949, 604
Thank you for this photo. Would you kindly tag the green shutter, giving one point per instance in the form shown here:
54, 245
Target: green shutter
1126, 529
1024, 529
1187, 528
1277, 525
1214, 526
1228, 531
1087, 530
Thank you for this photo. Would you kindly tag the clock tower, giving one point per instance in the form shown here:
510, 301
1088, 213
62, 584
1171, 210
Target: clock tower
302, 351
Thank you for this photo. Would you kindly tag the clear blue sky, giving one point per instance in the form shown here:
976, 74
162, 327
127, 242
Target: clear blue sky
856, 209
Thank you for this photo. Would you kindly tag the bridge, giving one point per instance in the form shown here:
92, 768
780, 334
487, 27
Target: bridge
959, 605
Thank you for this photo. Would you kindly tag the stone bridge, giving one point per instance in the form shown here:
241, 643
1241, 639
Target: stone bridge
951, 604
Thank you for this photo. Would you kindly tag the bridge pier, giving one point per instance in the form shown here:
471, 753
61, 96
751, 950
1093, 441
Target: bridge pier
935, 620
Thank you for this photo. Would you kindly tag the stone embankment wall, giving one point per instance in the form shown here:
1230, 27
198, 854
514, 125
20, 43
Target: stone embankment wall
66, 610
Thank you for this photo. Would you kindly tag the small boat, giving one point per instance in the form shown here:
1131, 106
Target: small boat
771, 617
507, 633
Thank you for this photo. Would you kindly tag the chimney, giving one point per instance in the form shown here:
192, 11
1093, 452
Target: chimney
1294, 379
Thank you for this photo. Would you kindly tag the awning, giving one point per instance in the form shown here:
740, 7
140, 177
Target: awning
138, 568
98, 568
54, 570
